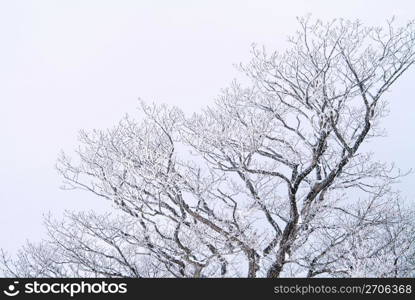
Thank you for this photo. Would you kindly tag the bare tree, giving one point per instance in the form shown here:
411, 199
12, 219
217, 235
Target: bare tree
270, 181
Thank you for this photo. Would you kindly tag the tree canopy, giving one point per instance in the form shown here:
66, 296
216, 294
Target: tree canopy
269, 181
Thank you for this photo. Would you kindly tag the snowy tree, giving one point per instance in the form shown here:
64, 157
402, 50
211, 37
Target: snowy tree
269, 181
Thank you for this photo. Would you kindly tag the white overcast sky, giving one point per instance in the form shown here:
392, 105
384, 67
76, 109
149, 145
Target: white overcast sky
71, 65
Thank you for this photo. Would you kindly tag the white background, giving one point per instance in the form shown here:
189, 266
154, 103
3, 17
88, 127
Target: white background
71, 65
